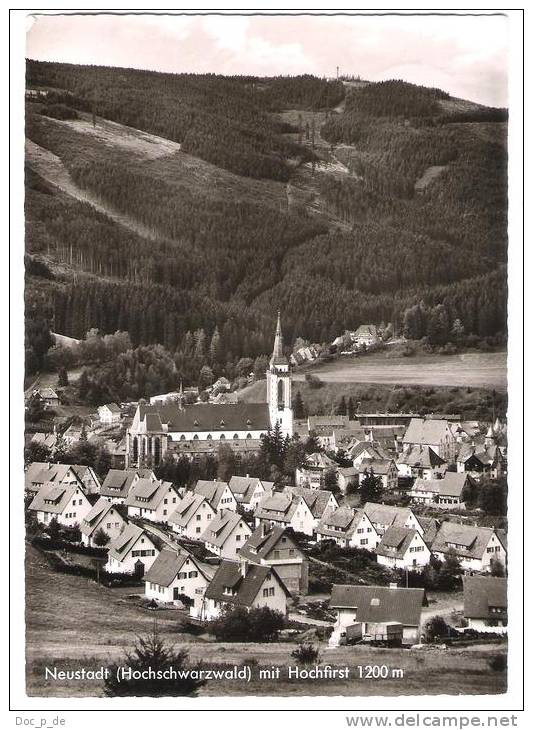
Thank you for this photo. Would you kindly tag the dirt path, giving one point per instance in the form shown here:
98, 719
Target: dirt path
50, 168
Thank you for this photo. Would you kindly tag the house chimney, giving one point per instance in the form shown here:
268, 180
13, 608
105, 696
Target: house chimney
393, 585
243, 568
265, 529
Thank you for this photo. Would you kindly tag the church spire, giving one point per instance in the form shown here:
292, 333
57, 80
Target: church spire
277, 352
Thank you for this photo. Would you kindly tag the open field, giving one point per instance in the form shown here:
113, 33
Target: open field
471, 403
472, 369
73, 623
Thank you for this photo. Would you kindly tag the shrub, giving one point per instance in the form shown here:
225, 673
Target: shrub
101, 538
239, 624
435, 628
306, 654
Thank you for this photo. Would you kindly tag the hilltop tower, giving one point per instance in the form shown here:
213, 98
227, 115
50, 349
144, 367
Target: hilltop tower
279, 386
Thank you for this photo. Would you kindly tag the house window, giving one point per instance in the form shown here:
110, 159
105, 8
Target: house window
198, 517
198, 530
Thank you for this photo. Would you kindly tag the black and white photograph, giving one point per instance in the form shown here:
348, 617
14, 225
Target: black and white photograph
264, 446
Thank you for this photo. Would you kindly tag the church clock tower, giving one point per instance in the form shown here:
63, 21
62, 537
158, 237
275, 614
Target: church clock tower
279, 386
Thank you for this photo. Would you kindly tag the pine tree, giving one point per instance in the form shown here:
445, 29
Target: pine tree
298, 406
151, 653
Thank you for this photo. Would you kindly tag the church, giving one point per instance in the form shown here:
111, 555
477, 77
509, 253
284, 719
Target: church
160, 429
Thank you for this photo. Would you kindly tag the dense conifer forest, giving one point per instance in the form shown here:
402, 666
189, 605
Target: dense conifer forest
216, 265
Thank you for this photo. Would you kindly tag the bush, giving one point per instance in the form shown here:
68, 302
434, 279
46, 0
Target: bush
239, 624
436, 628
306, 654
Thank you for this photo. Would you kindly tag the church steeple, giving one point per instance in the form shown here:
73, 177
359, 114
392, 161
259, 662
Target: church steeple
277, 353
279, 385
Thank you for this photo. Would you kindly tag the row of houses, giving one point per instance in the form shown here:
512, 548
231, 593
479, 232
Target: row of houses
213, 512
401, 539
259, 566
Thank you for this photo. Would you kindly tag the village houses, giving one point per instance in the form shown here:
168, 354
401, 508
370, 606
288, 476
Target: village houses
152, 500
249, 491
109, 414
132, 551
384, 469
377, 612
476, 548
246, 585
178, 577
311, 474
485, 603
348, 527
103, 516
383, 516
403, 548
84, 476
319, 501
275, 548
283, 509
192, 516
218, 494
226, 534
420, 462
67, 503
447, 492
433, 432
118, 482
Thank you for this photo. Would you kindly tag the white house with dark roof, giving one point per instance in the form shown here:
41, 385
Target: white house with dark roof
367, 450
433, 432
226, 535
319, 501
178, 577
348, 527
246, 585
219, 494
374, 609
118, 482
479, 460
383, 516
132, 551
171, 427
476, 548
282, 509
192, 516
276, 548
312, 473
109, 414
82, 475
384, 469
420, 462
485, 603
446, 493
152, 500
403, 548
67, 503
249, 491
103, 516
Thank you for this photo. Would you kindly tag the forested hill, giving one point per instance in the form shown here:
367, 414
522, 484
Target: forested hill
183, 206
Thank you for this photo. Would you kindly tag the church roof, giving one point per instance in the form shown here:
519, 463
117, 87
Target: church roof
206, 417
